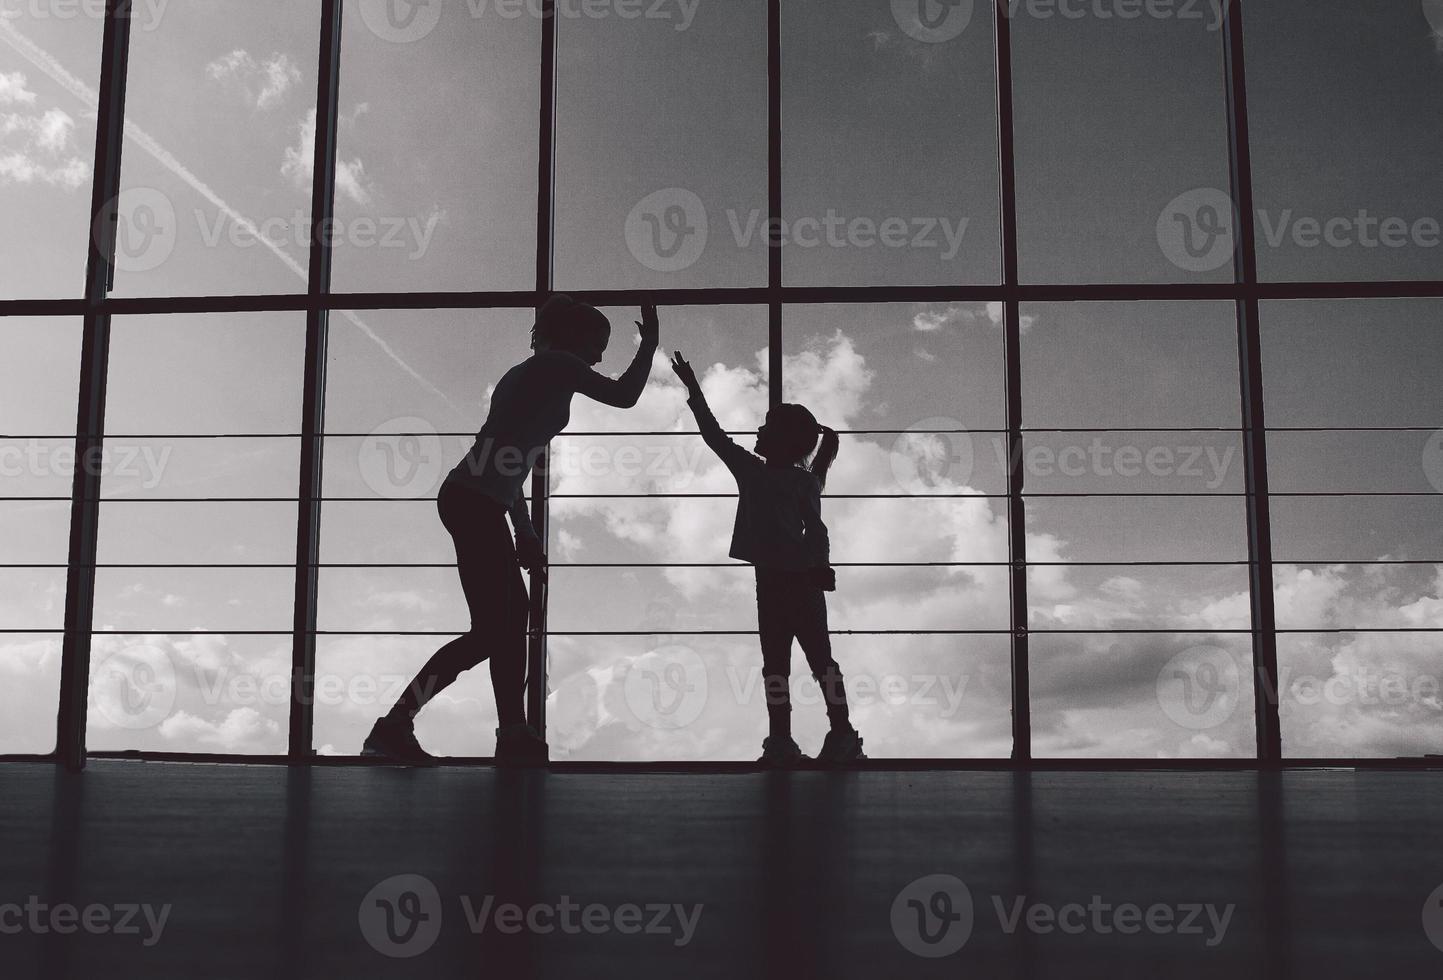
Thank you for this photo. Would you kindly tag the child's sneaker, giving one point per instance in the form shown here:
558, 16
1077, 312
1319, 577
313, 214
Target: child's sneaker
520, 745
781, 752
396, 742
841, 747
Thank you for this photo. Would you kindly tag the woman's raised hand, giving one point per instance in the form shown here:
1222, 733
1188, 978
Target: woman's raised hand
649, 326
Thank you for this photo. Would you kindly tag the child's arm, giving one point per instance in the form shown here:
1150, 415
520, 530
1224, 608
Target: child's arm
711, 431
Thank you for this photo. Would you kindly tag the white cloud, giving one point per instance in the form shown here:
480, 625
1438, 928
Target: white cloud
37, 147
934, 319
242, 730
13, 90
300, 166
262, 85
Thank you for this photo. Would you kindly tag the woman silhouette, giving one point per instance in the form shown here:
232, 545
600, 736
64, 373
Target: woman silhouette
530, 407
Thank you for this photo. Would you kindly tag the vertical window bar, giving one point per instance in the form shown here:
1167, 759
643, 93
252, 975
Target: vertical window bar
545, 281
90, 418
1250, 358
774, 201
1016, 506
308, 523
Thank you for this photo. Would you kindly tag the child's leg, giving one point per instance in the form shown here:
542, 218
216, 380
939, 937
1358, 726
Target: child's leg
811, 619
775, 624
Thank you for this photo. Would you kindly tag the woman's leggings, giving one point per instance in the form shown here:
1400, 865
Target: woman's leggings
790, 605
497, 599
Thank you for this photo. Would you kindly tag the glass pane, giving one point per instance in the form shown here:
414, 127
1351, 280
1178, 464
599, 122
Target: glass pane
890, 167
899, 366
1356, 462
1130, 365
40, 399
197, 533
660, 183
1122, 147
1353, 362
1328, 529
33, 598
35, 532
1362, 597
1139, 597
206, 374
1345, 138
30, 694
391, 600
215, 191
190, 692
147, 600
436, 159
49, 73
1134, 529
1361, 694
1181, 462
1142, 696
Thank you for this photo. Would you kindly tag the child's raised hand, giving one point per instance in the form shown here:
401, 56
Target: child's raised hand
683, 371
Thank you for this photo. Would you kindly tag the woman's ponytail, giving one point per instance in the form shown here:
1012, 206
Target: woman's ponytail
826, 455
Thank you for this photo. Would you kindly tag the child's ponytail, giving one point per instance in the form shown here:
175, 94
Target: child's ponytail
826, 455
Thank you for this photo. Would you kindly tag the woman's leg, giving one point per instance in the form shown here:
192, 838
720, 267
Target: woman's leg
486, 562
508, 655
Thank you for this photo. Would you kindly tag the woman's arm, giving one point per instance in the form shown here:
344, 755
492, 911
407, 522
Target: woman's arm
625, 391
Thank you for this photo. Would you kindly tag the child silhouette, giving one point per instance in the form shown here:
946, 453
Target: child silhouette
779, 530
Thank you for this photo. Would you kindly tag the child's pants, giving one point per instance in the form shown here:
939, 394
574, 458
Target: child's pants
789, 605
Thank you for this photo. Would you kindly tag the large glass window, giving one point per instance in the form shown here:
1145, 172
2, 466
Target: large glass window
1092, 518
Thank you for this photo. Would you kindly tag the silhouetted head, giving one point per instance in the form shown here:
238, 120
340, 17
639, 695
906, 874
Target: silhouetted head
788, 436
564, 324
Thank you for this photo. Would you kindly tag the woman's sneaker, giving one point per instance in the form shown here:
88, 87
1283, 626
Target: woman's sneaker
396, 742
841, 747
781, 752
520, 745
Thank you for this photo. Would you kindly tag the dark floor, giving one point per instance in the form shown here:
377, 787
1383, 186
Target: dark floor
273, 873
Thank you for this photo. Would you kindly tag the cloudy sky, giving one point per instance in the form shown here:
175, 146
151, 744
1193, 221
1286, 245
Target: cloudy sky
1118, 121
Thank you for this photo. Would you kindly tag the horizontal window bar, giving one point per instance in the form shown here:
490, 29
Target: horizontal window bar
739, 296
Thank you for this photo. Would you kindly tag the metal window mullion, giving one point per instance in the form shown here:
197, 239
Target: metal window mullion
1012, 326
71, 717
1250, 361
308, 522
774, 203
545, 283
